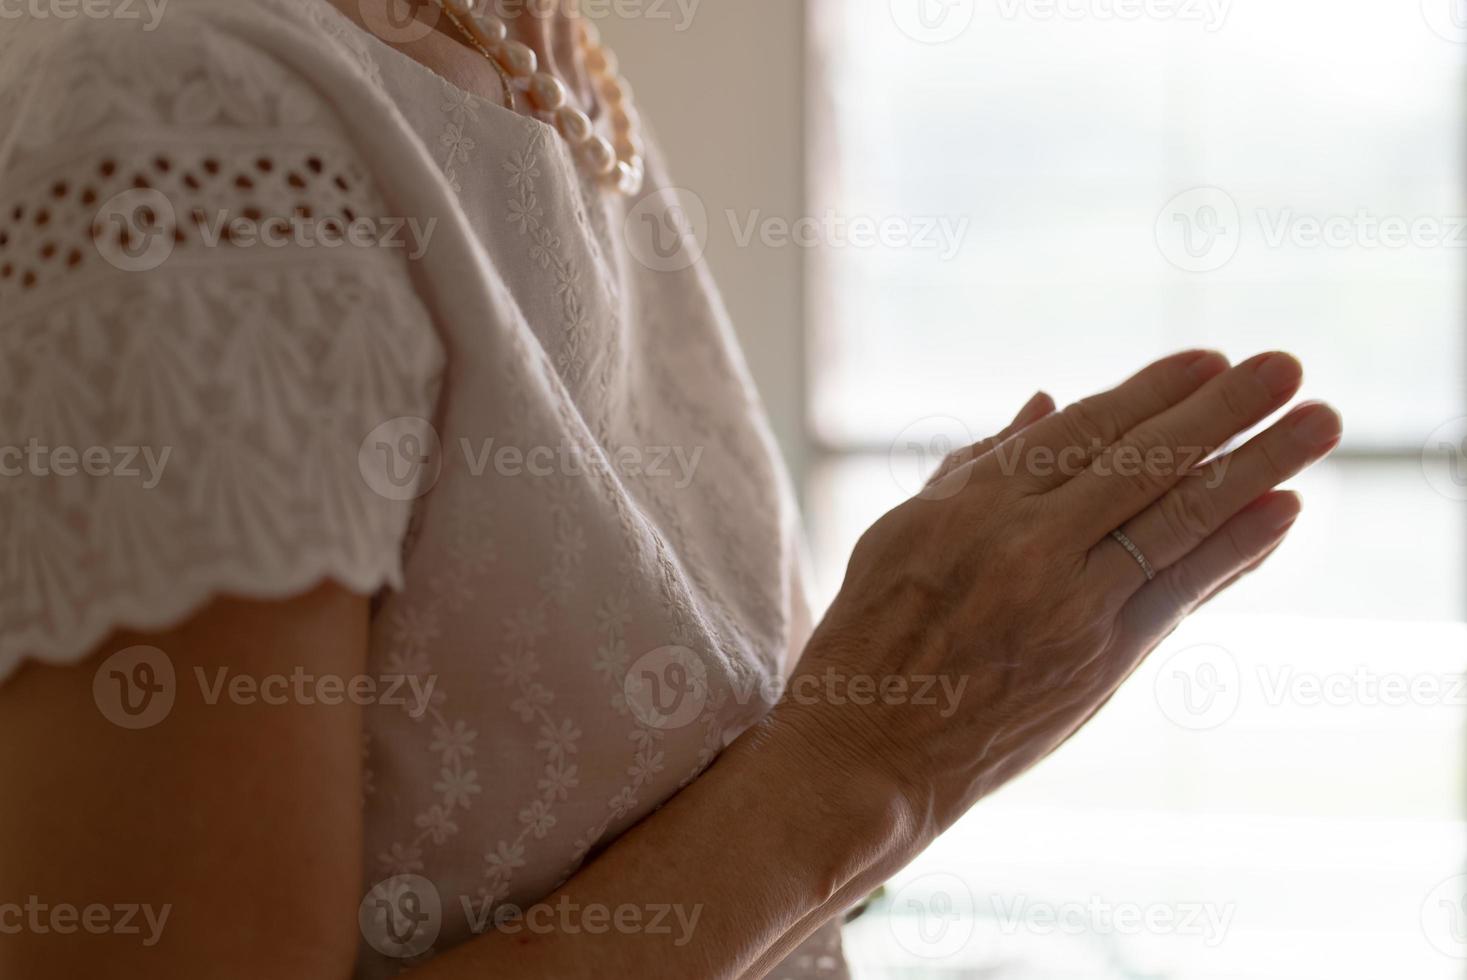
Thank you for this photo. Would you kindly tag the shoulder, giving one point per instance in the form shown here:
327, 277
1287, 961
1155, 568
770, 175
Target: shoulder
196, 255
215, 111
189, 62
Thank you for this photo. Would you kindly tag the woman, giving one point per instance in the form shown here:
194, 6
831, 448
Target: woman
409, 652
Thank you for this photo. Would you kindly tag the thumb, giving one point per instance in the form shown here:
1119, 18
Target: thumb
1036, 408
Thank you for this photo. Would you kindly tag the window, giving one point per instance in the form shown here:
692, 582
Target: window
1026, 193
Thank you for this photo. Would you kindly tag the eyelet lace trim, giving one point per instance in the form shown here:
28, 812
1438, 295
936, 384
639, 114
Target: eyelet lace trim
181, 410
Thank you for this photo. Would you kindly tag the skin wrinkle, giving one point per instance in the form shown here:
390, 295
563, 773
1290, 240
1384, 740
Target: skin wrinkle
995, 585
1021, 705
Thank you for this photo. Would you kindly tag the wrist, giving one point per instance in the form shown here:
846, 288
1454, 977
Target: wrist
843, 820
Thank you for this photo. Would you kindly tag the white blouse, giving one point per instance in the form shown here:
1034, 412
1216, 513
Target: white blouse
542, 456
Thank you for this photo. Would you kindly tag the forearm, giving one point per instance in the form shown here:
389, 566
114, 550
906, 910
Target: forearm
752, 856
848, 898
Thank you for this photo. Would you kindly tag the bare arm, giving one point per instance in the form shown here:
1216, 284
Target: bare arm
239, 827
240, 823
1005, 580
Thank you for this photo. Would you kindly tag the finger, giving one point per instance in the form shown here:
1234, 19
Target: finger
1242, 542
1034, 409
1146, 643
1178, 523
1151, 458
1064, 444
1255, 566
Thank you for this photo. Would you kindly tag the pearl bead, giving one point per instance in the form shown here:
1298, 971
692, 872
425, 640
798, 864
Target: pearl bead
629, 145
629, 177
620, 160
600, 156
616, 91
517, 59
573, 124
623, 119
489, 29
600, 61
547, 92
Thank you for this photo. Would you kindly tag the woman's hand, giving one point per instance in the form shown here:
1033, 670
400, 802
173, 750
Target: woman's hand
1000, 581
1002, 593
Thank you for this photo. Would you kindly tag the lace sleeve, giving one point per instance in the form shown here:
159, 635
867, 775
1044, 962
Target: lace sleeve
205, 313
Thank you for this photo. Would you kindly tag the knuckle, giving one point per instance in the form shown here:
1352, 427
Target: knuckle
1141, 485
1234, 404
1273, 464
1159, 387
1016, 547
1144, 462
1183, 587
1023, 543
1238, 549
1088, 424
956, 458
943, 469
1092, 610
1189, 515
1150, 449
937, 486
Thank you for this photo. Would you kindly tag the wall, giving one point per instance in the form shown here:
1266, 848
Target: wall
722, 83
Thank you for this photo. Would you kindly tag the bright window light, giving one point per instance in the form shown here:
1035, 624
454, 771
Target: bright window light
1073, 187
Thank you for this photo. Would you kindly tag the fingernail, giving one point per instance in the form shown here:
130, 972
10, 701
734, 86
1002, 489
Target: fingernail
1280, 374
1030, 409
1317, 425
1285, 510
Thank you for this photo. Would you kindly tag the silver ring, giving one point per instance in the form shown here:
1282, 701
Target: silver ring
1135, 553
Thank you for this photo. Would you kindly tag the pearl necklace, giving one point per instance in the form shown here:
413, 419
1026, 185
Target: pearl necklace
620, 164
